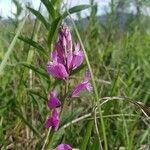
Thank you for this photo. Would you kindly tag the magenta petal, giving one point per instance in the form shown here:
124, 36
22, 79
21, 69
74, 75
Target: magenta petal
60, 53
64, 42
89, 87
54, 56
69, 60
57, 70
78, 89
84, 85
77, 60
78, 56
63, 147
87, 76
53, 101
53, 121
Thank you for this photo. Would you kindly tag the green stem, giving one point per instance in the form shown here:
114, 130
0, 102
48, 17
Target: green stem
94, 86
49, 139
46, 139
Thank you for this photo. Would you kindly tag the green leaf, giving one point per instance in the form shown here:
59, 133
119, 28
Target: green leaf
18, 7
36, 70
33, 43
95, 144
32, 92
75, 9
40, 17
26, 121
50, 8
10, 49
53, 29
57, 138
76, 71
87, 135
55, 2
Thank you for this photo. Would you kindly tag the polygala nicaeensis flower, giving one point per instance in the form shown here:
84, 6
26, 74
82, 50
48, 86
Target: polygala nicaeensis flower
55, 68
53, 120
84, 85
66, 56
53, 101
63, 147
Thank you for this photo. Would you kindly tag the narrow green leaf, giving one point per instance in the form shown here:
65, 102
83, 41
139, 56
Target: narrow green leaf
34, 130
76, 71
32, 43
75, 9
87, 136
10, 49
36, 70
40, 17
95, 143
32, 92
55, 2
50, 8
18, 7
57, 138
53, 29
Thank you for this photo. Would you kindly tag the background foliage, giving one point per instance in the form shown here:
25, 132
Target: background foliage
117, 44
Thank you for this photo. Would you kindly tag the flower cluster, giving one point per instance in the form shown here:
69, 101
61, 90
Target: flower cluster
66, 57
53, 103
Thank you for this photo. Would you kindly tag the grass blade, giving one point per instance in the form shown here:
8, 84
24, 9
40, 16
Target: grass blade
10, 49
27, 123
87, 136
50, 8
75, 9
53, 29
94, 86
32, 43
40, 17
37, 70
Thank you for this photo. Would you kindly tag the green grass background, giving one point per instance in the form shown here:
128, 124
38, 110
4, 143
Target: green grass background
120, 62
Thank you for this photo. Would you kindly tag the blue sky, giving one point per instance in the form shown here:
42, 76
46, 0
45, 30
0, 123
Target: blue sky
6, 6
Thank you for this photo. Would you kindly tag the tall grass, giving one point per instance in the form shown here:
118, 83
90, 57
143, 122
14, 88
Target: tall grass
119, 64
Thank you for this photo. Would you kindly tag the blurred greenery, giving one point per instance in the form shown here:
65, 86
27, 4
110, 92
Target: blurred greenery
117, 44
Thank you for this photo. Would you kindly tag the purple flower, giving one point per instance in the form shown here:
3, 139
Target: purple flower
53, 101
65, 57
70, 56
78, 57
63, 147
57, 70
84, 85
65, 38
53, 120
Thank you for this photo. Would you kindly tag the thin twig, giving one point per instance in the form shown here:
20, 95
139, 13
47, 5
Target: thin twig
107, 99
46, 140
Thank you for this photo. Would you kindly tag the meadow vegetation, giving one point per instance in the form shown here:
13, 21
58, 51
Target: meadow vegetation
115, 116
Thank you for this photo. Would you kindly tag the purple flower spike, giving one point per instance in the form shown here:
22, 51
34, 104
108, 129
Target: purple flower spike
84, 85
53, 101
57, 70
63, 147
65, 56
65, 38
78, 57
53, 121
